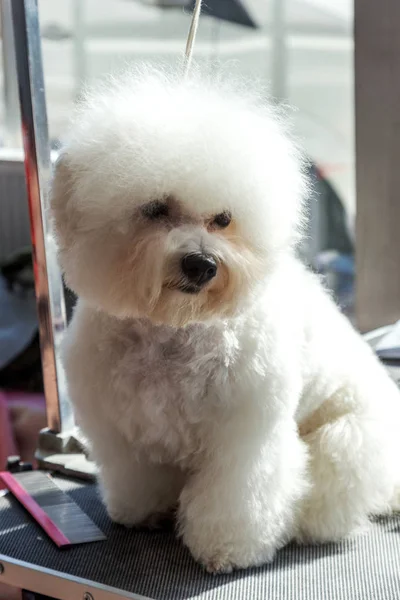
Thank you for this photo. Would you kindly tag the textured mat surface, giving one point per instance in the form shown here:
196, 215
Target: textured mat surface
155, 565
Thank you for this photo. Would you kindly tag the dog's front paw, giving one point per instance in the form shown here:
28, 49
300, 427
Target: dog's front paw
125, 511
122, 515
130, 515
220, 563
225, 561
222, 555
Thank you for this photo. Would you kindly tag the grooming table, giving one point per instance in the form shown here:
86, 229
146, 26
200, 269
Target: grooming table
153, 564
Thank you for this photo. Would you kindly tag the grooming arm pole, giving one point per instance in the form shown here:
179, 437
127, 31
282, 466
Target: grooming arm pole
59, 448
48, 282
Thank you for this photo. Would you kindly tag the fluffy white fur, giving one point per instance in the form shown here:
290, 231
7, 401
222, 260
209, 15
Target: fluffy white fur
252, 406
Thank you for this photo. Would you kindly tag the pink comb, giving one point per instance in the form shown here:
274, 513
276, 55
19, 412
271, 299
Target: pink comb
58, 515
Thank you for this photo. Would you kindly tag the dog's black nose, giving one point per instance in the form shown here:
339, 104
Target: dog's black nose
199, 268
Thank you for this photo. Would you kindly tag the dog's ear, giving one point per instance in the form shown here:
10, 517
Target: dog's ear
62, 209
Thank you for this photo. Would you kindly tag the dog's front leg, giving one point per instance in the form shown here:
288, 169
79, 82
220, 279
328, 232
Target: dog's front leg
139, 493
239, 506
136, 491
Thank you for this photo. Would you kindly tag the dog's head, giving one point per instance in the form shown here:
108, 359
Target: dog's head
173, 200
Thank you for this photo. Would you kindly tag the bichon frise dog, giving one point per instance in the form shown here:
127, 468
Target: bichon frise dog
209, 369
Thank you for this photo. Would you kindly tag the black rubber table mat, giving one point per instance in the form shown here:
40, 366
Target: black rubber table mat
155, 565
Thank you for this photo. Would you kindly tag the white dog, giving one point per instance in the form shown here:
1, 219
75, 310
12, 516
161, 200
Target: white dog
208, 368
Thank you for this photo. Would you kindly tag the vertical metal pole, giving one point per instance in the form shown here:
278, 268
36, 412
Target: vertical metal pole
279, 64
48, 281
79, 11
12, 127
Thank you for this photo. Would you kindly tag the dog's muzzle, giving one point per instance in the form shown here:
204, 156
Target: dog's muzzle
198, 270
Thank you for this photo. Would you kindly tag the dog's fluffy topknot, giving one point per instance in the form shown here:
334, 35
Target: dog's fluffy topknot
211, 142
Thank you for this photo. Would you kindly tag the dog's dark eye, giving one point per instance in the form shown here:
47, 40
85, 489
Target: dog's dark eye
223, 219
155, 210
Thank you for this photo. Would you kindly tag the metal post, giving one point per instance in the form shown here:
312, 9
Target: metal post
12, 127
80, 71
48, 281
279, 63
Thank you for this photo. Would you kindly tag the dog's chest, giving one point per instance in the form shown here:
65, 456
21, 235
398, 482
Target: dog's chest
163, 377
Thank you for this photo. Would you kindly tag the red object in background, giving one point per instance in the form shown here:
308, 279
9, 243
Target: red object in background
7, 442
21, 418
